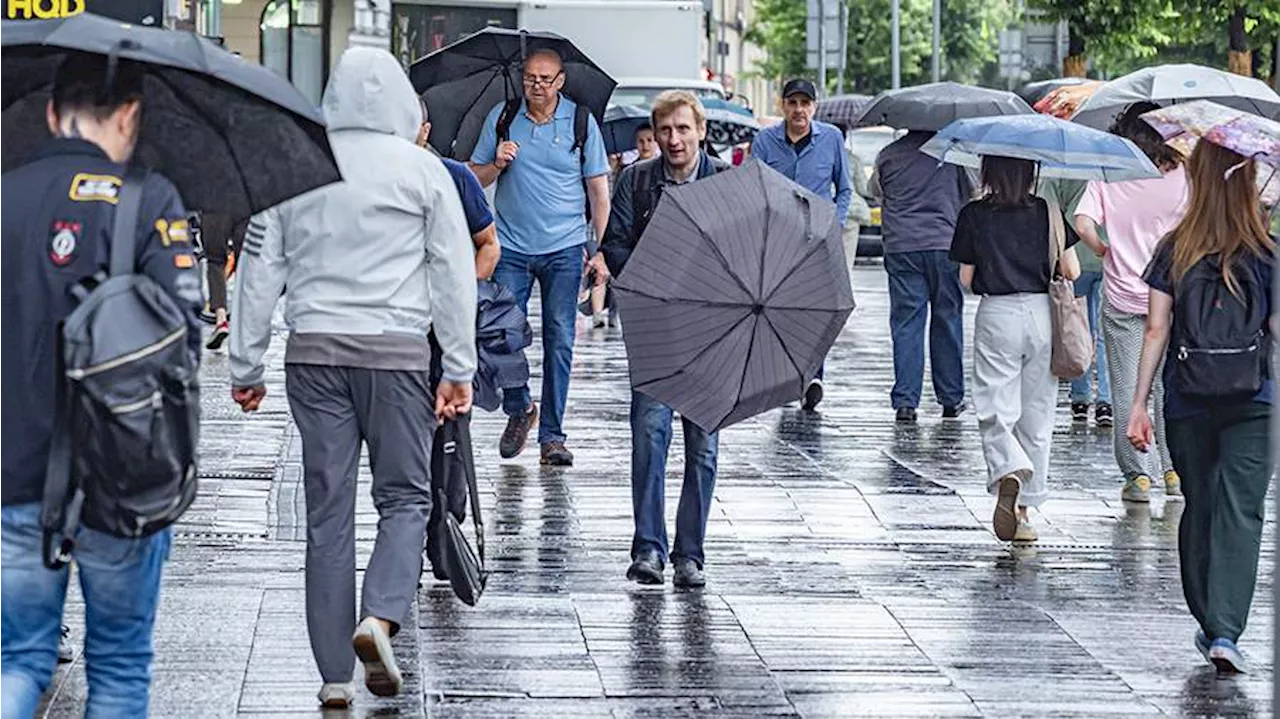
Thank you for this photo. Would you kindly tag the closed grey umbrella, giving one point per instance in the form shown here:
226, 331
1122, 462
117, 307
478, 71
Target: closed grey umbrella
934, 106
734, 295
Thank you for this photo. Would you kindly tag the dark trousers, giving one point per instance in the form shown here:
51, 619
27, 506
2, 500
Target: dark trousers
650, 440
1223, 461
925, 286
219, 237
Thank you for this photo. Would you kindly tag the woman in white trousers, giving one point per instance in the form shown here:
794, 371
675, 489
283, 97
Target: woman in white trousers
1003, 245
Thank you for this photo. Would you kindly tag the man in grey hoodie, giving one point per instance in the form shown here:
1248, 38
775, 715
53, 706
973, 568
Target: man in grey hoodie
370, 263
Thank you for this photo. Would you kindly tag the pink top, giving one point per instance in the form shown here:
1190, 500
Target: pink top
1136, 215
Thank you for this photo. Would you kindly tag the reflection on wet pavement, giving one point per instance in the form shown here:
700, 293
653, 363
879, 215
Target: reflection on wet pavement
851, 571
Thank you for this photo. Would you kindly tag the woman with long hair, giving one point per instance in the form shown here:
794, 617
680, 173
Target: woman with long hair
1136, 214
1003, 244
1219, 441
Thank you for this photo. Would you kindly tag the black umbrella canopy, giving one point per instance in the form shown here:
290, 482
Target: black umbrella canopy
233, 137
463, 82
933, 106
843, 110
734, 295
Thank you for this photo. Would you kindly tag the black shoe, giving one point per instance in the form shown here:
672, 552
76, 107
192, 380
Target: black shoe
953, 412
813, 395
1080, 412
646, 568
220, 334
66, 650
555, 454
688, 574
906, 415
516, 434
1102, 415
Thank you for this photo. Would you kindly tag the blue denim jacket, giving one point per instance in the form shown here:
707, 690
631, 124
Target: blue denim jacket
821, 167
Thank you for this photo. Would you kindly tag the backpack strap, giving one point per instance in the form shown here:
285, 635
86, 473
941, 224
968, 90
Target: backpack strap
124, 232
63, 498
506, 117
581, 124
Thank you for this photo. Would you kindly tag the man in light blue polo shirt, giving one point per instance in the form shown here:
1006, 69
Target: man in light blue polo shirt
812, 155
544, 183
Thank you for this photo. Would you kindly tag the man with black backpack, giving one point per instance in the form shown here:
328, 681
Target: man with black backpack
547, 156
680, 124
71, 215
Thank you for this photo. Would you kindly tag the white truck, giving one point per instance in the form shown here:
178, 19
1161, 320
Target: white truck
626, 38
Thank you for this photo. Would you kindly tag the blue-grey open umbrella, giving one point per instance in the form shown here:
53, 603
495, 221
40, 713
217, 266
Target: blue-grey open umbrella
1169, 84
621, 123
729, 123
233, 136
1064, 149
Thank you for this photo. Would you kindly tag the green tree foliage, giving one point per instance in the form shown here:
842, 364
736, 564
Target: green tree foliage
1109, 29
969, 40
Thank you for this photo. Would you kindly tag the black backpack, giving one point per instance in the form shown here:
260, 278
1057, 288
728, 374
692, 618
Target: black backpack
1221, 344
122, 458
581, 122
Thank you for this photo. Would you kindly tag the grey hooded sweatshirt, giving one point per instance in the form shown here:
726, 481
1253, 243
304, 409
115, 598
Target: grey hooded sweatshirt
371, 263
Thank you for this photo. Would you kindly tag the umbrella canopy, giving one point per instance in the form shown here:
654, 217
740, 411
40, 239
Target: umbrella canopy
1239, 131
728, 123
621, 123
1034, 92
842, 110
1168, 84
233, 137
734, 295
934, 106
463, 82
1063, 149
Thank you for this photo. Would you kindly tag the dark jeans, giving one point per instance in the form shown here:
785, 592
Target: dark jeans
650, 440
1223, 460
559, 276
926, 286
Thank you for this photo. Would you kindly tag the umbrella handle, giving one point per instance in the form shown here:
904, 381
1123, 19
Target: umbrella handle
113, 64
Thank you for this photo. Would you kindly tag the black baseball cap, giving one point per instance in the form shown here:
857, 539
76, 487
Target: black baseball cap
799, 85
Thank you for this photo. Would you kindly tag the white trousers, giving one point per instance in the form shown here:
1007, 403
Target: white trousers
1015, 394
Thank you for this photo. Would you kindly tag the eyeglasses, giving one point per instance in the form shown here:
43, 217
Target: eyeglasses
536, 81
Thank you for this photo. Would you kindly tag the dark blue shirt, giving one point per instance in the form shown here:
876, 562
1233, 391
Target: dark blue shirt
474, 204
58, 213
1159, 276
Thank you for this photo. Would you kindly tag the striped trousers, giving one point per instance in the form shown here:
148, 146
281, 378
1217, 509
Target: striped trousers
1123, 332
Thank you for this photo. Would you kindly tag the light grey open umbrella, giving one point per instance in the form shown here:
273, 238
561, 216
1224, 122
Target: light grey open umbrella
1168, 84
734, 295
933, 106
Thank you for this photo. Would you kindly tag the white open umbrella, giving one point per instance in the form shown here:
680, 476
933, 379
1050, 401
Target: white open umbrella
1168, 84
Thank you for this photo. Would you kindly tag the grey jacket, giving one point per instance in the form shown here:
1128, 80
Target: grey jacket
370, 263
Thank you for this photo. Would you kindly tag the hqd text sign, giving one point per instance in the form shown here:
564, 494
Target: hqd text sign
138, 12
42, 9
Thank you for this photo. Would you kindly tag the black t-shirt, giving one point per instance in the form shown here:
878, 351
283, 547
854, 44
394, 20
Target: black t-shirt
1008, 245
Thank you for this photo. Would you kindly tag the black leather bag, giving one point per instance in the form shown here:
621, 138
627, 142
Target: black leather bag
451, 457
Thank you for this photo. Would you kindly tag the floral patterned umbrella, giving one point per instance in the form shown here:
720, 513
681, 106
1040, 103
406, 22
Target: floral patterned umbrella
1182, 126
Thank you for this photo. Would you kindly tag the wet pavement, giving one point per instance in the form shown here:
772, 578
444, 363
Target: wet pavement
851, 571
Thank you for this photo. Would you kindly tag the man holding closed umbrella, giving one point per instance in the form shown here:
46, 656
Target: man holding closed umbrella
680, 125
812, 155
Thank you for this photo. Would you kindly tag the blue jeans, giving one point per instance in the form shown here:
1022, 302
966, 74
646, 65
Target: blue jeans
1090, 285
926, 285
559, 275
650, 440
120, 580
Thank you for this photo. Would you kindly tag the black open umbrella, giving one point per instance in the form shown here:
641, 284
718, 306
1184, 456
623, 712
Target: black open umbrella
233, 136
934, 106
463, 82
734, 294
842, 110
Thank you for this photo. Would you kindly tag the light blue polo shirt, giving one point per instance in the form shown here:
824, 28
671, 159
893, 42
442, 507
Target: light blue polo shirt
540, 200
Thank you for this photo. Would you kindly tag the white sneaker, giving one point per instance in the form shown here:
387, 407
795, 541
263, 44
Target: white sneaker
1025, 532
373, 647
336, 695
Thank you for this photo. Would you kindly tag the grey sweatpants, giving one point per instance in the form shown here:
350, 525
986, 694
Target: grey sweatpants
1123, 333
1014, 392
336, 408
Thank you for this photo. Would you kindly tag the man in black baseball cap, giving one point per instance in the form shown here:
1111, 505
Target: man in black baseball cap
812, 154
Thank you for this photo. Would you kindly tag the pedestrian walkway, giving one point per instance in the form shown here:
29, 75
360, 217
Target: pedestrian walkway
851, 571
